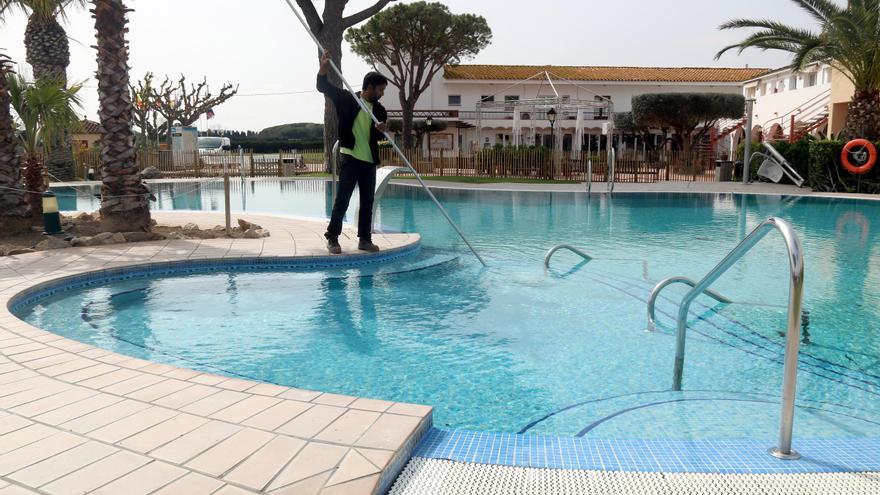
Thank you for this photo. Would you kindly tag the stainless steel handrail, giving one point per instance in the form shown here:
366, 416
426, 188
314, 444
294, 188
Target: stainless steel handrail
612, 159
792, 338
568, 247
589, 175
675, 280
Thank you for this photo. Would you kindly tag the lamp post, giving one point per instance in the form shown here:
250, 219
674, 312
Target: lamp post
428, 122
551, 116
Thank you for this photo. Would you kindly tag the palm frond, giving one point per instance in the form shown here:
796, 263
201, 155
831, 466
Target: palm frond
45, 10
821, 10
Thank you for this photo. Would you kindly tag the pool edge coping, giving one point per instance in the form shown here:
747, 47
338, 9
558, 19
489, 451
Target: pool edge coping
11, 325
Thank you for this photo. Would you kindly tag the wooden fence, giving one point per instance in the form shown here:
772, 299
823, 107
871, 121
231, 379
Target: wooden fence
631, 166
177, 164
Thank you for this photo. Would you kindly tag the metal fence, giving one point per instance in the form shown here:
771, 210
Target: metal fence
538, 163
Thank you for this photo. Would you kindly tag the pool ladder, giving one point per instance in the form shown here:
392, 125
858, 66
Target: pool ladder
569, 247
792, 339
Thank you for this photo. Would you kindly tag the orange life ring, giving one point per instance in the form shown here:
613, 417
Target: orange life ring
849, 149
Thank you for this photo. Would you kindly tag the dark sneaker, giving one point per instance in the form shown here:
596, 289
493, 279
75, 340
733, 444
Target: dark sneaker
368, 246
333, 246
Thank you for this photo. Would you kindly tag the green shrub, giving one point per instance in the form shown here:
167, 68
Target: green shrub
274, 146
827, 173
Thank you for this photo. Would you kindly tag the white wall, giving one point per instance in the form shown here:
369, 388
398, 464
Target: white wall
436, 97
776, 101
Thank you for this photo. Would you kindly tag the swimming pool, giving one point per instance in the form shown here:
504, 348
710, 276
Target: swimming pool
514, 349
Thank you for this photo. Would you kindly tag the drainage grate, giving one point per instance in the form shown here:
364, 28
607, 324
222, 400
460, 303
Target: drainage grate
441, 477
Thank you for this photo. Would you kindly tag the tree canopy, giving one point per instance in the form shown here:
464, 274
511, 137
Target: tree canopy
412, 42
685, 112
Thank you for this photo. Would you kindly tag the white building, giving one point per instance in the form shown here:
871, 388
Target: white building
454, 94
790, 103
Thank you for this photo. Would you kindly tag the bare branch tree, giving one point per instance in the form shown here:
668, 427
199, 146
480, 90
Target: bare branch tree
182, 104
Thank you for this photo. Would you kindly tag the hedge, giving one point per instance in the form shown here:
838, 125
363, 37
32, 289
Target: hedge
827, 173
274, 146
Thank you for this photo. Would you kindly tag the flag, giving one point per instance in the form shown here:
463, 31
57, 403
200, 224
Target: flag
210, 113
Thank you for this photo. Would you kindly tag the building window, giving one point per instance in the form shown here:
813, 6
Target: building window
792, 82
810, 80
487, 98
509, 108
454, 100
826, 76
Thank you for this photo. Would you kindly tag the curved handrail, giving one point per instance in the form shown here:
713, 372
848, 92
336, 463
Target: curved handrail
675, 280
568, 247
792, 338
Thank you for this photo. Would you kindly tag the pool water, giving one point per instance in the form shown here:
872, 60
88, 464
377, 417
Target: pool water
513, 348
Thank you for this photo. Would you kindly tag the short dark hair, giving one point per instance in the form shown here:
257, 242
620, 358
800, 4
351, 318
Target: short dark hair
374, 79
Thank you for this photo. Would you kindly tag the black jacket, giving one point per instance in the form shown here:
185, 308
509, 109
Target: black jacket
347, 109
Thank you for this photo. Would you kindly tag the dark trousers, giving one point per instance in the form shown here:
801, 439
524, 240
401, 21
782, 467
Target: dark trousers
353, 172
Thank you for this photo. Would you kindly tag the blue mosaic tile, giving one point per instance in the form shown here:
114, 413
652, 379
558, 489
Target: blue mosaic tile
670, 456
48, 289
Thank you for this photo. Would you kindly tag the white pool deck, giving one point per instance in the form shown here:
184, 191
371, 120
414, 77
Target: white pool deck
77, 419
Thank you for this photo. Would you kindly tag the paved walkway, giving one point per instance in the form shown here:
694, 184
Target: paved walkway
658, 187
77, 419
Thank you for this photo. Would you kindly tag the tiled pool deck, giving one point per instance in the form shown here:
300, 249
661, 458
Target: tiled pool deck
77, 419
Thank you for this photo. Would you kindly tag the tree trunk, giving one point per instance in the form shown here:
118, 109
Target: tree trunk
14, 216
48, 52
407, 108
863, 120
331, 39
686, 142
124, 202
34, 181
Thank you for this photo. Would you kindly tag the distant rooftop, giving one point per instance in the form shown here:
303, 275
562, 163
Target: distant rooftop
575, 73
86, 126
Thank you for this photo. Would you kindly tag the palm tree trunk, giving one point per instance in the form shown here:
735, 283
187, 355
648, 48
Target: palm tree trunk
124, 203
34, 181
48, 52
863, 119
14, 216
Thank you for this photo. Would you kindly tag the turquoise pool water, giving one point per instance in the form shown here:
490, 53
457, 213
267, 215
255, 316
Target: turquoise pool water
512, 348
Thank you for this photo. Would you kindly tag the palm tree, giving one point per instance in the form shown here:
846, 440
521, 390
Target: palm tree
48, 52
45, 110
14, 216
848, 39
124, 204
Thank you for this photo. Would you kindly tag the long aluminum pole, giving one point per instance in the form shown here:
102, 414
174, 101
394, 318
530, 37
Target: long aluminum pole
747, 152
334, 170
388, 137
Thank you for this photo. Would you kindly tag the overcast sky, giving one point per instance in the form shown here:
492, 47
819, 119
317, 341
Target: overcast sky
260, 45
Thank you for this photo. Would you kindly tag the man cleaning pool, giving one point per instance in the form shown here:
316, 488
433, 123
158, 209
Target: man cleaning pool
358, 144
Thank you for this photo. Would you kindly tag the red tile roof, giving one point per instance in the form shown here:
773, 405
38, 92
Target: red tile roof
637, 74
88, 127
